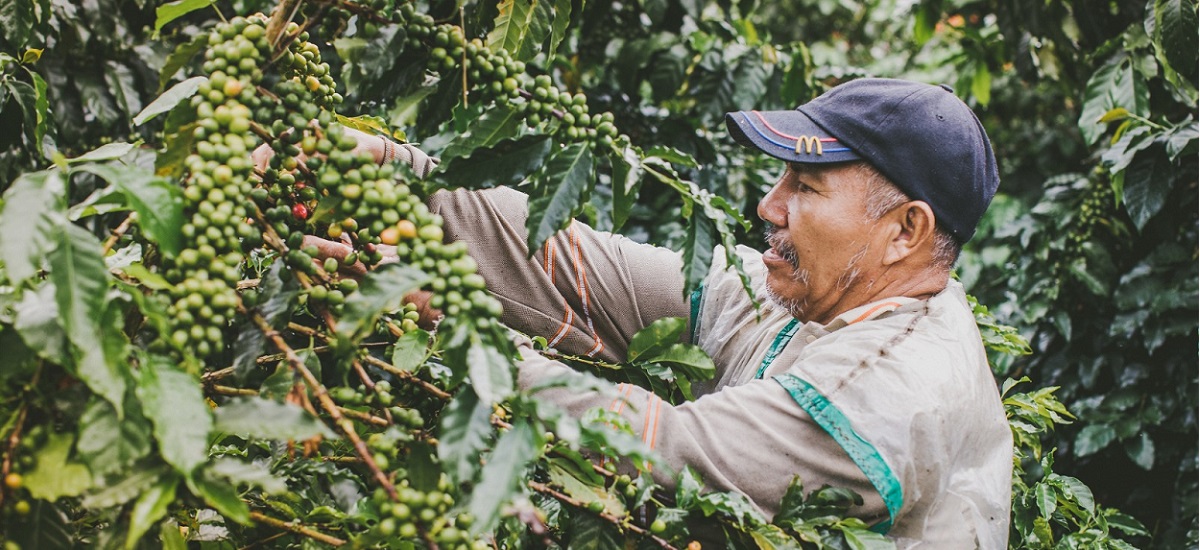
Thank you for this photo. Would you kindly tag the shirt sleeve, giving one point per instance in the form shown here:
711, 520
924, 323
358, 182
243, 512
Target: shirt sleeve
751, 438
587, 292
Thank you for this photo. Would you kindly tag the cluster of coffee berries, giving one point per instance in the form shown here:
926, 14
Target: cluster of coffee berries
415, 515
205, 274
497, 76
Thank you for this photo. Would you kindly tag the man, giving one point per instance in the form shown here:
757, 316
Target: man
863, 369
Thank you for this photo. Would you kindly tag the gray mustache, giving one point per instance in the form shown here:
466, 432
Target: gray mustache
777, 239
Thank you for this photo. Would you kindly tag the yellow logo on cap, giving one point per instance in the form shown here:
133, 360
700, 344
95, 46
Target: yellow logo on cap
808, 143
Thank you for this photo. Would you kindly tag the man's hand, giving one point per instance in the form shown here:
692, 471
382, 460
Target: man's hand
378, 146
338, 250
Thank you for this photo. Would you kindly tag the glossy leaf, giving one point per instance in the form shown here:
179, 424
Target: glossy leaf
508, 162
490, 372
267, 419
55, 475
410, 350
1147, 185
81, 283
158, 203
171, 11
501, 476
29, 216
108, 443
175, 406
381, 290
697, 252
569, 172
149, 508
463, 432
172, 97
511, 28
656, 337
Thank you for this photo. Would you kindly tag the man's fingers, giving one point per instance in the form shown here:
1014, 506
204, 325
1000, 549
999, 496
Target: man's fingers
338, 251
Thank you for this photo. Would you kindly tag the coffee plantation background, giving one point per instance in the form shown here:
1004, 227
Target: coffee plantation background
1089, 252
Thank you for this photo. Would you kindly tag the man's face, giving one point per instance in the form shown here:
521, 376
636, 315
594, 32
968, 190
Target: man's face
822, 261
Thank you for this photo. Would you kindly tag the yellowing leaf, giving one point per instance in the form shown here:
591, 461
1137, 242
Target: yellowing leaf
32, 55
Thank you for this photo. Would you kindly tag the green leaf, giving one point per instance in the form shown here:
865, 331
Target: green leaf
41, 106
584, 492
1047, 499
865, 539
1147, 186
500, 480
697, 251
490, 372
925, 19
688, 360
179, 58
981, 84
656, 337
45, 527
170, 536
424, 473
626, 180
32, 211
149, 508
1177, 30
462, 433
1141, 450
490, 129
158, 202
111, 151
173, 402
267, 419
381, 290
569, 171
55, 476
588, 532
221, 495
121, 85
170, 98
16, 20
173, 10
108, 443
138, 481
152, 281
81, 282
38, 323
508, 162
1093, 438
410, 349
558, 28
1076, 491
240, 472
1114, 85
512, 27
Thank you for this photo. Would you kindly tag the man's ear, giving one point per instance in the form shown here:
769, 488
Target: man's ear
913, 227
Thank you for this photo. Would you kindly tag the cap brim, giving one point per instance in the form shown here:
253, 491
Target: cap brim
787, 135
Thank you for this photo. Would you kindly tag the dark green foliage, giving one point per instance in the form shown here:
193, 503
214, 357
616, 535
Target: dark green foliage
611, 111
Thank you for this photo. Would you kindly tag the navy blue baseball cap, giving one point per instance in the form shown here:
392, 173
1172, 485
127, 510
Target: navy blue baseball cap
922, 137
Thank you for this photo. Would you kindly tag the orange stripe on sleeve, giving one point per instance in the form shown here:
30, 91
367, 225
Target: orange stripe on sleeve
867, 314
654, 426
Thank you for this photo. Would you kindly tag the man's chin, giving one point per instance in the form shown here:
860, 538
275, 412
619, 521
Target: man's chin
794, 306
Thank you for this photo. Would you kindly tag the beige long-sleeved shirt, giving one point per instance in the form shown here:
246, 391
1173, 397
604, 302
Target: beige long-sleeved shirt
893, 399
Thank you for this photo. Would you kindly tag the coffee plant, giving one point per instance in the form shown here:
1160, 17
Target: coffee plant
186, 366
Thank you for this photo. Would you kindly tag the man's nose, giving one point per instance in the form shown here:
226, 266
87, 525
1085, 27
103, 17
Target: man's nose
771, 207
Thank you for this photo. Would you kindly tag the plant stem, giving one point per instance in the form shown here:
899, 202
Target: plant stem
296, 528
619, 522
341, 421
116, 234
